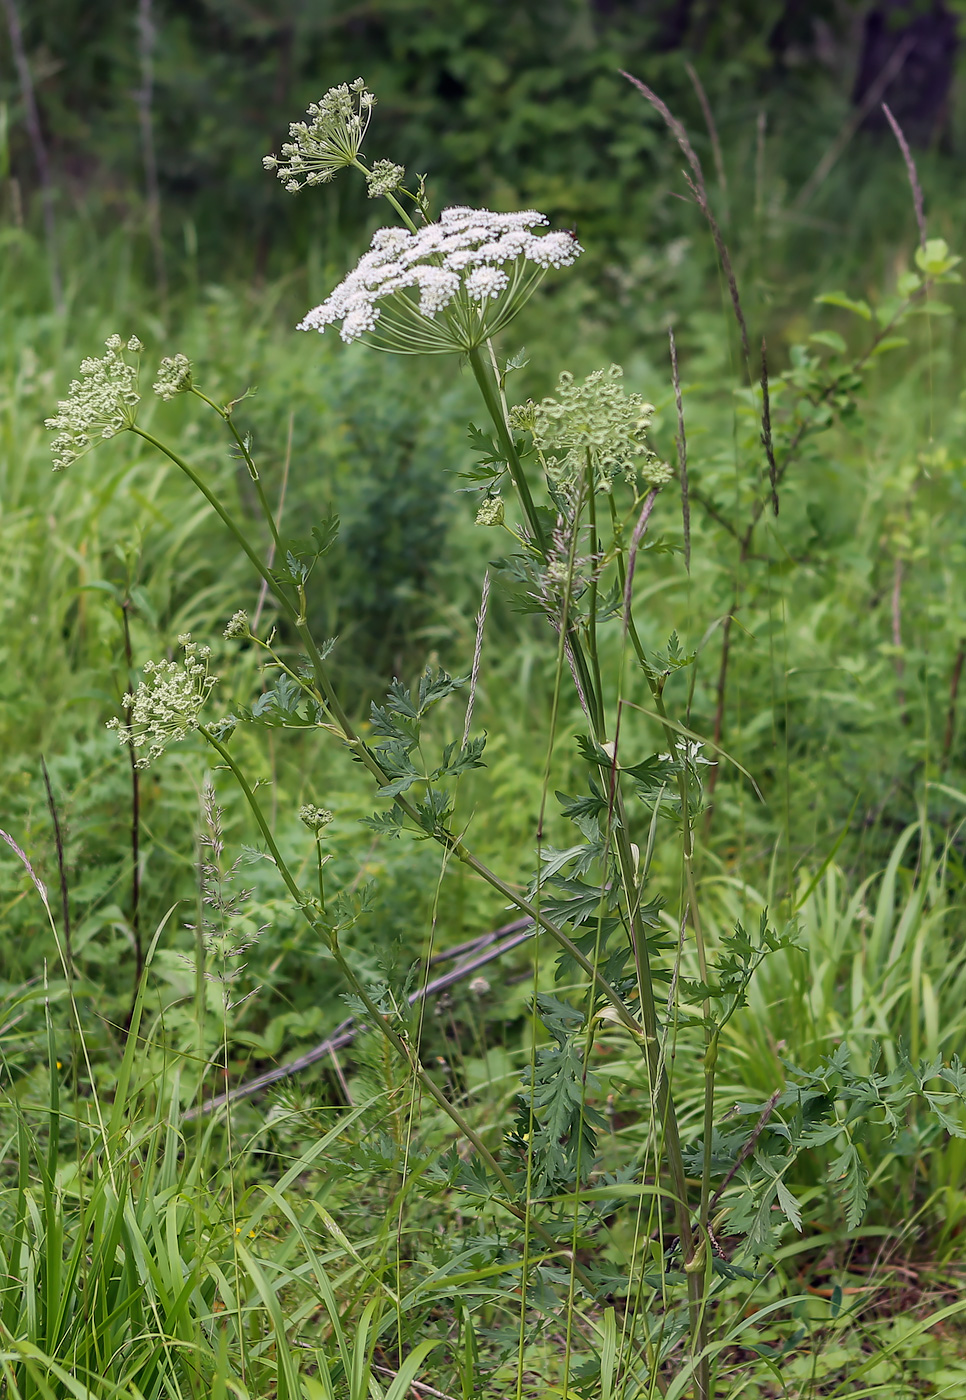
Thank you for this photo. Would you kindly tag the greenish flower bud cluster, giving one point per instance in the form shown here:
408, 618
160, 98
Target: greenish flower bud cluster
167, 705
315, 818
100, 404
384, 177
174, 377
237, 626
597, 418
490, 511
320, 148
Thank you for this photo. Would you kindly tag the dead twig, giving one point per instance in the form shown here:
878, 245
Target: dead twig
747, 1148
699, 190
500, 941
912, 172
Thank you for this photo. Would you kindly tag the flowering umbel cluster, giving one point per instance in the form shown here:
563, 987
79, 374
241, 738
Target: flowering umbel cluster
166, 706
100, 404
447, 286
384, 177
174, 377
329, 142
597, 418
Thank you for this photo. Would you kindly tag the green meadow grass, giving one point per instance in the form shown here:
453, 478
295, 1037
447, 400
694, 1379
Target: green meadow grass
288, 1249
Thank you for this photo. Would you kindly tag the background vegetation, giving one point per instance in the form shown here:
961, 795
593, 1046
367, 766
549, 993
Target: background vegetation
841, 697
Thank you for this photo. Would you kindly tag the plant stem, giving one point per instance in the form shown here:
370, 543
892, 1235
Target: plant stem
592, 591
226, 415
401, 1046
135, 817
515, 467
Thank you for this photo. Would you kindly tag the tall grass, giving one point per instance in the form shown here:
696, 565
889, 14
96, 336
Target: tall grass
345, 1250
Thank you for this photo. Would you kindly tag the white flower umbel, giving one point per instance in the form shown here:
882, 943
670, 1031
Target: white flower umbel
595, 417
448, 286
320, 148
384, 177
174, 377
100, 404
167, 705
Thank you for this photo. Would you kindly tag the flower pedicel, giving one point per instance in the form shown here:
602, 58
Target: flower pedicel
447, 286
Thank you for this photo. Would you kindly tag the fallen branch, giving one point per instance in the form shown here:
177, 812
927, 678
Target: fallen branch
487, 948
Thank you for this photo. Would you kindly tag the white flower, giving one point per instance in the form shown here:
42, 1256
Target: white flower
330, 141
446, 287
238, 626
174, 376
485, 283
384, 177
101, 403
166, 706
490, 511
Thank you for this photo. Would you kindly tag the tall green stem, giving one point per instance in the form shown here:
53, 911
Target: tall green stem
592, 591
401, 1046
697, 1302
226, 415
491, 398
647, 1031
591, 683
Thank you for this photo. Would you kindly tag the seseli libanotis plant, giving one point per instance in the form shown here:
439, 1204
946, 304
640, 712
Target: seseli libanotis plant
573, 484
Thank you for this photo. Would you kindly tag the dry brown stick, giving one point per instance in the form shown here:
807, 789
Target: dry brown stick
699, 190
912, 172
747, 1149
719, 165
34, 131
681, 443
502, 940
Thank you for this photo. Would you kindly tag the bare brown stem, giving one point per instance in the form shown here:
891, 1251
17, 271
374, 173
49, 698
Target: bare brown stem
766, 429
699, 190
912, 172
719, 166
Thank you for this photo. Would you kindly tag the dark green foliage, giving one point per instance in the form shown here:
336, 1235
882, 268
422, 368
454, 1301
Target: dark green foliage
556, 1129
522, 104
